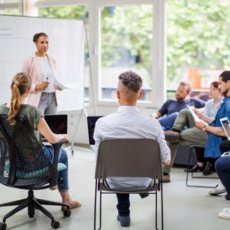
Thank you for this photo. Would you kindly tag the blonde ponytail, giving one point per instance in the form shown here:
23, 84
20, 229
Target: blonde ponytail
20, 84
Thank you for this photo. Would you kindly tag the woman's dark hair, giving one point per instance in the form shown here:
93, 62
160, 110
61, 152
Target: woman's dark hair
215, 84
36, 36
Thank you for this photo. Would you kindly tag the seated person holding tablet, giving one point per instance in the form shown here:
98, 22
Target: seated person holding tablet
213, 132
21, 86
128, 122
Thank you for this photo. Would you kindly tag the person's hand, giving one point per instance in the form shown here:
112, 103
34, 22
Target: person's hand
200, 124
66, 137
155, 115
58, 88
198, 113
42, 86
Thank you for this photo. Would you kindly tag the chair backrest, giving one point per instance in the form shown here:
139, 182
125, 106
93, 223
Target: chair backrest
129, 158
22, 160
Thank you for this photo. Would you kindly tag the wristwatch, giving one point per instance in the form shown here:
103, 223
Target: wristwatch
204, 128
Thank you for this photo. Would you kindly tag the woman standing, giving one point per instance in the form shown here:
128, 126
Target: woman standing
42, 69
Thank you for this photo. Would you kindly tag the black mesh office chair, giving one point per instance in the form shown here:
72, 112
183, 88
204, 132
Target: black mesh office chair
23, 165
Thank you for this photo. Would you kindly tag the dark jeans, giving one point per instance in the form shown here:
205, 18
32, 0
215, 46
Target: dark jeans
168, 121
222, 166
63, 158
123, 204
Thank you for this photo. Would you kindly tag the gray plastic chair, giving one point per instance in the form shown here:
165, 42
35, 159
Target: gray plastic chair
128, 158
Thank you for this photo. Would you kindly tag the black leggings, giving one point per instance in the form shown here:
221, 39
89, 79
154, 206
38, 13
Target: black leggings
200, 156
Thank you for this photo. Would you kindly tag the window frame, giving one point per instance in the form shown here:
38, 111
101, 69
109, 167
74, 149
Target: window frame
12, 5
158, 46
157, 65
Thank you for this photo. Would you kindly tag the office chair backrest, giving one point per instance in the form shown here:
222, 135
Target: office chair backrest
129, 158
22, 160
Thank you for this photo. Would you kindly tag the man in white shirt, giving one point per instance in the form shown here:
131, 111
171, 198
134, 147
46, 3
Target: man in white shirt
128, 122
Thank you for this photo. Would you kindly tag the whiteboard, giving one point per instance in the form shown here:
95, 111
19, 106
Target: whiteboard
66, 46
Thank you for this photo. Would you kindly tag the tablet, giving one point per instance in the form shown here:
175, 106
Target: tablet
191, 109
225, 124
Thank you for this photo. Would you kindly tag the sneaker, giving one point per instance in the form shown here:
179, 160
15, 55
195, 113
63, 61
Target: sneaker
171, 136
218, 190
224, 215
226, 210
124, 220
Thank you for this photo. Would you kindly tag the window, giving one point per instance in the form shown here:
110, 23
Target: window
72, 12
126, 44
197, 47
11, 7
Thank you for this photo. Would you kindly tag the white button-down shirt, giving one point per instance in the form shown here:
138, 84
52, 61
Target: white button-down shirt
128, 122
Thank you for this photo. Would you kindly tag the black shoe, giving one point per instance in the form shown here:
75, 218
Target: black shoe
143, 195
227, 197
124, 220
195, 168
207, 169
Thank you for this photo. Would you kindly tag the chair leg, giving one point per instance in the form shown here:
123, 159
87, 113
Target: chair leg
95, 206
100, 209
43, 210
196, 186
156, 212
17, 202
47, 202
189, 157
15, 210
31, 210
162, 210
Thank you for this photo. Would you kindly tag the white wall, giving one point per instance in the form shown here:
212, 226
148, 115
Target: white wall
158, 54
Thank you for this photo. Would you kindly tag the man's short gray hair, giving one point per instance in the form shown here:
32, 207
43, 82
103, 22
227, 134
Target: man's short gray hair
131, 80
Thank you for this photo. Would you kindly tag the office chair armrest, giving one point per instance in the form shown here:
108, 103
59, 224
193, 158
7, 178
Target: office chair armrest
57, 146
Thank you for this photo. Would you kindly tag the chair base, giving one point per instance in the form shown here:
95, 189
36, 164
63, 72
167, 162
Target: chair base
32, 203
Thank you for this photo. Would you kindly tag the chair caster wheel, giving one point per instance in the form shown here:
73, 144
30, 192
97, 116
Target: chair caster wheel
55, 224
72, 152
3, 226
67, 213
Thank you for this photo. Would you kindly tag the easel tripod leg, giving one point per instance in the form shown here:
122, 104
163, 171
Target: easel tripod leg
75, 132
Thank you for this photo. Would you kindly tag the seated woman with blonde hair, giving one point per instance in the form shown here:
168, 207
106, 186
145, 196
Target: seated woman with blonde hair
21, 86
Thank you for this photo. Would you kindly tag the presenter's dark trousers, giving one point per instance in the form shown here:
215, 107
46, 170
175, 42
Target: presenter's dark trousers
123, 204
222, 165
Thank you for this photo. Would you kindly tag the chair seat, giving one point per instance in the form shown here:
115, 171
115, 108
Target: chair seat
153, 186
36, 173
